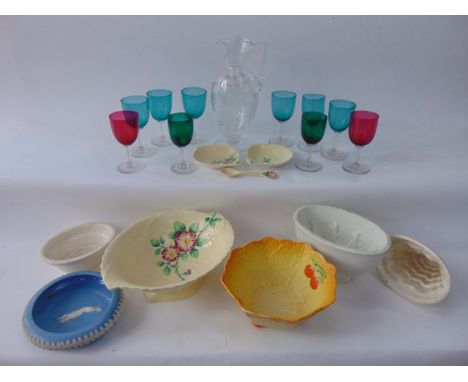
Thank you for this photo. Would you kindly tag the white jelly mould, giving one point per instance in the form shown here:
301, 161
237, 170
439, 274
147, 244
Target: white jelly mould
414, 271
355, 245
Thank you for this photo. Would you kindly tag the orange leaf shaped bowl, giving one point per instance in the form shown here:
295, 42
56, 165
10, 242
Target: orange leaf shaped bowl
279, 281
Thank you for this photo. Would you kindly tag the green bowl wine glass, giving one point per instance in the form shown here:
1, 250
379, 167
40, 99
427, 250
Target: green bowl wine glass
312, 102
181, 133
313, 125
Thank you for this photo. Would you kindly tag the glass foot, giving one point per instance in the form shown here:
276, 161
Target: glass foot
143, 151
161, 141
334, 154
305, 147
183, 167
356, 167
281, 141
130, 167
309, 166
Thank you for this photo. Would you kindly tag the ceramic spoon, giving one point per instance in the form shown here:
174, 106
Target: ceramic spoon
232, 173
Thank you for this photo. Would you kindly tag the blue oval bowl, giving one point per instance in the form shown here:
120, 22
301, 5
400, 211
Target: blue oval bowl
71, 311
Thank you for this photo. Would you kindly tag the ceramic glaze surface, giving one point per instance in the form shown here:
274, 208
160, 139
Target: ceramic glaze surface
79, 248
354, 244
279, 281
268, 155
414, 272
217, 155
168, 251
70, 309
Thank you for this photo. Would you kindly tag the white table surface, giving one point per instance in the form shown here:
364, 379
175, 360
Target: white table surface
367, 324
58, 170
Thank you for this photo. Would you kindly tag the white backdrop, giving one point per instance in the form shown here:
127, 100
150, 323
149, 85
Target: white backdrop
61, 76
410, 69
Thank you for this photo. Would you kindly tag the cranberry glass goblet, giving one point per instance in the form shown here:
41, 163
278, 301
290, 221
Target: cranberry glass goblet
362, 130
124, 125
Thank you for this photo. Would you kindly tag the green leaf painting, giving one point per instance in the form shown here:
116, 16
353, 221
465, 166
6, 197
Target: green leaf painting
178, 226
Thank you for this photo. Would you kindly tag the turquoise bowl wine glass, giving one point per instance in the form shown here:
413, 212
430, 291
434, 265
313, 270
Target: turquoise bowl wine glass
194, 100
181, 133
339, 116
139, 104
312, 102
160, 105
283, 103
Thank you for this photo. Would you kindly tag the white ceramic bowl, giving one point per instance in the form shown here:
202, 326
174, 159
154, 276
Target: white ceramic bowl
167, 255
79, 248
354, 244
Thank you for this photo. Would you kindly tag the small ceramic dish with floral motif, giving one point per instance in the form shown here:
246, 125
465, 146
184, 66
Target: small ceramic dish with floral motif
167, 254
268, 155
217, 155
279, 282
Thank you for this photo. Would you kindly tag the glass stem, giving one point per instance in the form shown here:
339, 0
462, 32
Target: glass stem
183, 164
280, 135
195, 133
139, 141
358, 154
335, 141
129, 158
163, 136
311, 151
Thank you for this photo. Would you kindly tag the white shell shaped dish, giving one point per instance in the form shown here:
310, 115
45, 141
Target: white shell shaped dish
268, 155
79, 248
414, 272
217, 156
354, 244
168, 253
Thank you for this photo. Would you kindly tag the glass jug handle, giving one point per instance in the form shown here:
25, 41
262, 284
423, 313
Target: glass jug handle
264, 47
260, 64
213, 96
